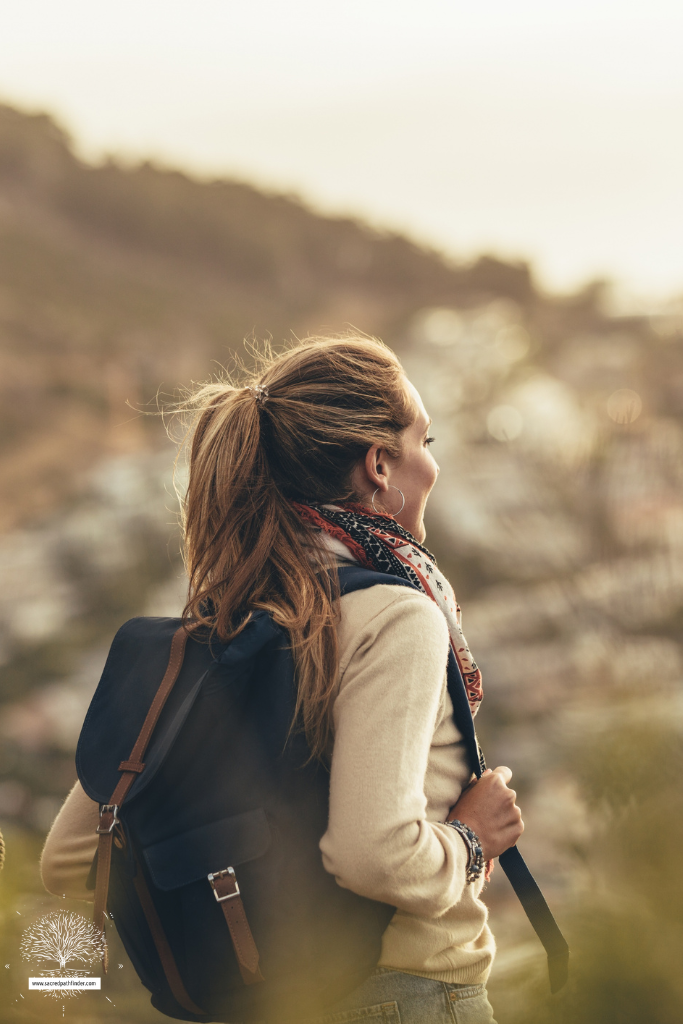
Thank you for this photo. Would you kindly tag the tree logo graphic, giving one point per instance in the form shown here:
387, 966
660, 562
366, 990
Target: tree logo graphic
64, 939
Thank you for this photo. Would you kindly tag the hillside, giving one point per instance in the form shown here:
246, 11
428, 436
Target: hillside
115, 280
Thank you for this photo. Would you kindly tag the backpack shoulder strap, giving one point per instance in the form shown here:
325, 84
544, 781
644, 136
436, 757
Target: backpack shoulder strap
353, 578
524, 884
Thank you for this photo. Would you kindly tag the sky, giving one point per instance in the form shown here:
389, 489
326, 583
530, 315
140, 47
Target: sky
534, 130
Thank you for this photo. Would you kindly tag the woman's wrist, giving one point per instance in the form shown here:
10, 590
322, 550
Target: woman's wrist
475, 860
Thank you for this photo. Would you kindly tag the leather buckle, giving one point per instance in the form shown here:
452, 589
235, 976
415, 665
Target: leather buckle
112, 809
225, 873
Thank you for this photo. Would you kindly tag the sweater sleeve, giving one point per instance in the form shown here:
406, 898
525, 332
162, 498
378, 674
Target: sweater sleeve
70, 847
379, 842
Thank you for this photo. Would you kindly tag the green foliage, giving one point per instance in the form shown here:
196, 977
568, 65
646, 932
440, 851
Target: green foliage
626, 766
625, 924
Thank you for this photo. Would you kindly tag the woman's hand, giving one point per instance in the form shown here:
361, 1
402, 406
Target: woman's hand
488, 807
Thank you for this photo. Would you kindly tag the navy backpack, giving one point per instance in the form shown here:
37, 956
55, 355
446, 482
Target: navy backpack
208, 860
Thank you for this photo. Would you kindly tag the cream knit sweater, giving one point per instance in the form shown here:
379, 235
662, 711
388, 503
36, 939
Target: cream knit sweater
398, 765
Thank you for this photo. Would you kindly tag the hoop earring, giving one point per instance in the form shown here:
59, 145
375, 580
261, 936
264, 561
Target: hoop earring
392, 515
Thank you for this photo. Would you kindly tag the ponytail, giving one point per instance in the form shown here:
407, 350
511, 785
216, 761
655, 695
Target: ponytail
293, 435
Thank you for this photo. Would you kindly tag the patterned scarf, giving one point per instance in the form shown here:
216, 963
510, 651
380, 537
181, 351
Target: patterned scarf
379, 543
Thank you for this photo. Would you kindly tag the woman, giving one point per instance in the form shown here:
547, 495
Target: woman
326, 460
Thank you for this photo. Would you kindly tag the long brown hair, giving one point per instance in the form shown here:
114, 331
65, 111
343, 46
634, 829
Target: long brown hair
252, 453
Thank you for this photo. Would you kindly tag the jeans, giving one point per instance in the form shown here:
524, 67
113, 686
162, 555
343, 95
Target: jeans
393, 997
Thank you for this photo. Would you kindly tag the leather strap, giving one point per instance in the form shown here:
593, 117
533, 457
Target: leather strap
130, 770
175, 982
224, 883
225, 886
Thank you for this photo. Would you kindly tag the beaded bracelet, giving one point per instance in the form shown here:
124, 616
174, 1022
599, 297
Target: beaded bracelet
475, 862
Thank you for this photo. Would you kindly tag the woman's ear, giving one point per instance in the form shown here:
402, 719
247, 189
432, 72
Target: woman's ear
375, 467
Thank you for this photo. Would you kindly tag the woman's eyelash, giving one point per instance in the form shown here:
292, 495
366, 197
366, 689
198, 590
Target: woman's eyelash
429, 440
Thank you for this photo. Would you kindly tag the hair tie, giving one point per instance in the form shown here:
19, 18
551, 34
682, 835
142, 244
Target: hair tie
259, 391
